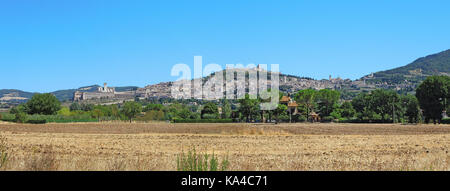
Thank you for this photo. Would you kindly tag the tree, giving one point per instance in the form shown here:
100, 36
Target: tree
265, 97
432, 95
363, 106
87, 107
185, 113
20, 117
17, 109
44, 104
380, 104
210, 108
306, 98
226, 109
131, 109
384, 102
327, 101
279, 111
153, 107
412, 109
249, 108
347, 110
97, 113
75, 107
115, 113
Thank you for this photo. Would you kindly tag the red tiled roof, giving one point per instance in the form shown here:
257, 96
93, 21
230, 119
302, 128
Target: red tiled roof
285, 99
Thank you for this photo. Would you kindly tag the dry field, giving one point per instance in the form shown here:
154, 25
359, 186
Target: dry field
154, 146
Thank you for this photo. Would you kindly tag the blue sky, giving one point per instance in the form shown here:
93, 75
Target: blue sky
48, 45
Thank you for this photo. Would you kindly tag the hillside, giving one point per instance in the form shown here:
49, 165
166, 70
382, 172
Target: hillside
65, 95
12, 95
404, 79
415, 72
15, 93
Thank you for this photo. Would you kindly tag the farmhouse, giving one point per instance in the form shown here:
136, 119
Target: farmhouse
291, 104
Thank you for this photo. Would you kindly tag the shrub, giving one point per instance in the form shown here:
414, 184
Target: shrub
8, 117
64, 111
446, 121
152, 116
200, 162
20, 117
42, 121
335, 115
210, 116
301, 118
60, 118
327, 119
284, 117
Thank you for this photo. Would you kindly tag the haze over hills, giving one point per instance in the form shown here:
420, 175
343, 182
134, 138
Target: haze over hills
402, 79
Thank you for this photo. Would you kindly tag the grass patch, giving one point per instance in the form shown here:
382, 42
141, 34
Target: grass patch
193, 161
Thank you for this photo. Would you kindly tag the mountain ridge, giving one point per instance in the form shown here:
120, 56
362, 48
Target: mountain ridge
416, 71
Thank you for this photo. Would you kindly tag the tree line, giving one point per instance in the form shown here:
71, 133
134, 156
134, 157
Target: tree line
384, 106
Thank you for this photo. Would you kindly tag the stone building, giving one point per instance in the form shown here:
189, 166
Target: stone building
104, 92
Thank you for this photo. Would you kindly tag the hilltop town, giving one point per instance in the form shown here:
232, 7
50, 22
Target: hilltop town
403, 80
287, 84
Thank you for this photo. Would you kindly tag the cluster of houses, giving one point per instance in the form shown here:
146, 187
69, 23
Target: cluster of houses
293, 109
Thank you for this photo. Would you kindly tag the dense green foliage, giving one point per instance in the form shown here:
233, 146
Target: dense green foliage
210, 109
432, 95
45, 104
307, 100
226, 109
249, 108
386, 106
131, 109
412, 109
327, 101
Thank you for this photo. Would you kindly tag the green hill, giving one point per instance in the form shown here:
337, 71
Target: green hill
17, 93
436, 64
